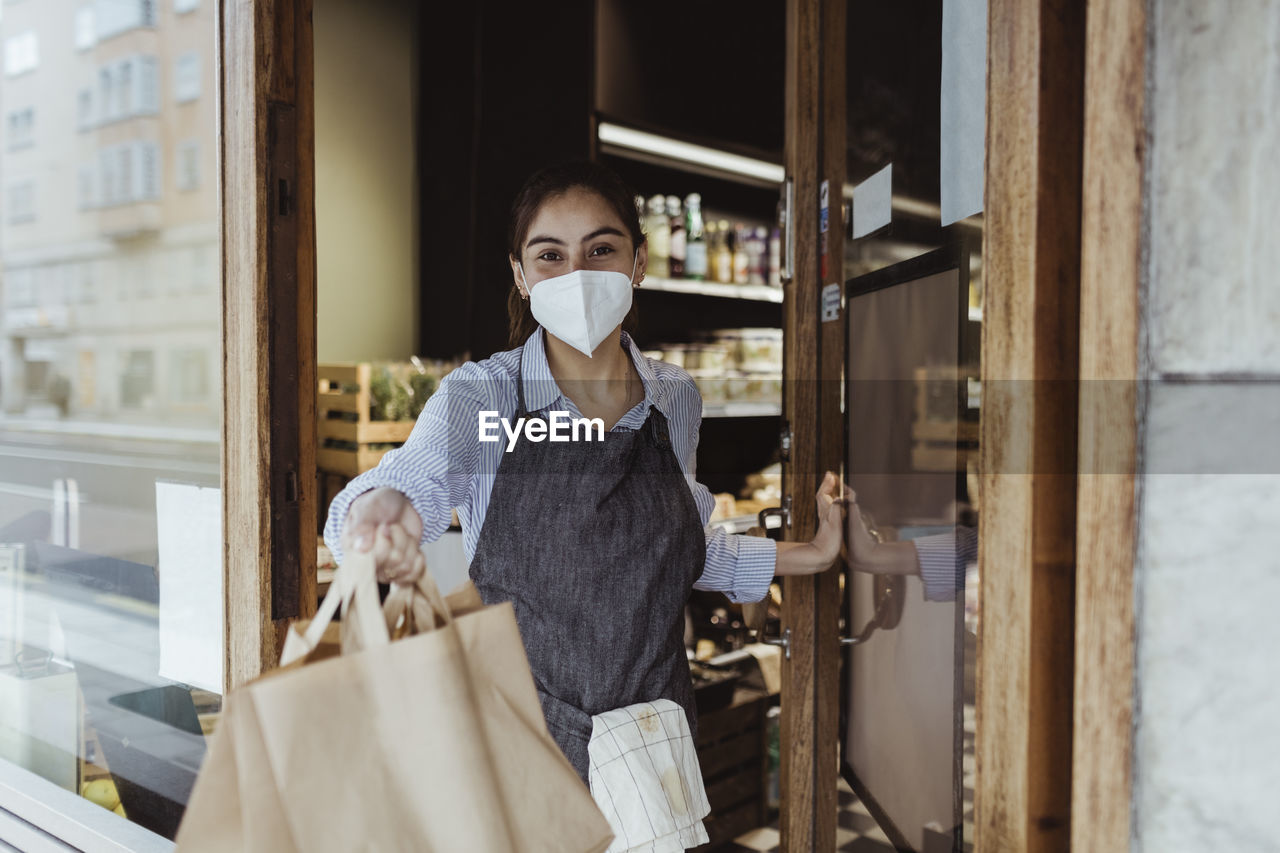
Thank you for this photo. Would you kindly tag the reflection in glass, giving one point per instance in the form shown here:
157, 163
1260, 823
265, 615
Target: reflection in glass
911, 458
109, 391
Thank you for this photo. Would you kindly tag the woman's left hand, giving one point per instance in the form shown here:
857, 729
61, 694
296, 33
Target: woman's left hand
818, 554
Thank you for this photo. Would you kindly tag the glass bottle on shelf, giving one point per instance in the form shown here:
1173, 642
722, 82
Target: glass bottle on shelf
722, 260
757, 256
713, 246
695, 260
679, 240
658, 229
741, 258
775, 258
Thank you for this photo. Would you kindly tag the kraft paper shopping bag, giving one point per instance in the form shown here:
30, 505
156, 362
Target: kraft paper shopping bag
432, 741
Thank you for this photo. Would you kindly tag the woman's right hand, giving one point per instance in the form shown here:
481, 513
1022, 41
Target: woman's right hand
383, 520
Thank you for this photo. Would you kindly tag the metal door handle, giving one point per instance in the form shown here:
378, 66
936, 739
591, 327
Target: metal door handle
784, 641
889, 593
787, 269
783, 512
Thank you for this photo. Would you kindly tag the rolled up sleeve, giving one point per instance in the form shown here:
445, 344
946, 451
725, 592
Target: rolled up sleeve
944, 558
741, 567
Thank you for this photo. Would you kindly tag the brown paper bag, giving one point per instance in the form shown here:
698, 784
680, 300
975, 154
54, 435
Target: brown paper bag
433, 741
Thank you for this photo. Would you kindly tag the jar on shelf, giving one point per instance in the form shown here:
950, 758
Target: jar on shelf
676, 354
711, 385
732, 339
738, 387
761, 350
713, 357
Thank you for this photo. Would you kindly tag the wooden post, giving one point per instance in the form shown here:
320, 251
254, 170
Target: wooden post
266, 64
800, 742
1110, 276
1028, 445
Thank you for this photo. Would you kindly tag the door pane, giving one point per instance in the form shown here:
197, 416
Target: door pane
913, 291
111, 391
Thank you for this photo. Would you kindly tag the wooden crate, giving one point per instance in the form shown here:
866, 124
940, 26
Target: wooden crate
733, 753
362, 431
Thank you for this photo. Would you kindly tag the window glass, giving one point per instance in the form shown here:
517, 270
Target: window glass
110, 406
86, 33
915, 89
186, 82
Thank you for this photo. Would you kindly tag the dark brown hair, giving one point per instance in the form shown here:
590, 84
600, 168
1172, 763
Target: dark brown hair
547, 184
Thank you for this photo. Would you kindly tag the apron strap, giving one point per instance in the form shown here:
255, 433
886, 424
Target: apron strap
656, 427
520, 410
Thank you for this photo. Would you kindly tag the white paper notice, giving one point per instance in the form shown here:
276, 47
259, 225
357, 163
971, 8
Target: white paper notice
964, 107
873, 202
447, 561
189, 523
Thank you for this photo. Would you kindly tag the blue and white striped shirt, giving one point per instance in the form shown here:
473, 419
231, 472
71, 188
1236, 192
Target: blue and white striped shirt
944, 558
444, 465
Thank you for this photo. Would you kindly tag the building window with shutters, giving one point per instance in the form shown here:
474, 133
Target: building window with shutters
22, 202
186, 78
129, 88
188, 178
20, 128
86, 34
188, 376
138, 379
86, 187
21, 54
84, 109
113, 17
147, 155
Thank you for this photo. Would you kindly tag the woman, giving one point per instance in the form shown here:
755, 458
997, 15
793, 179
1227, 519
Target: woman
596, 543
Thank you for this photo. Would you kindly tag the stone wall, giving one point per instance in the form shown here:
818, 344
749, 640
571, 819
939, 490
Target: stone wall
1207, 746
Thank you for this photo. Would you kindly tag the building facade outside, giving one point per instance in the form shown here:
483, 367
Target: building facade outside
109, 251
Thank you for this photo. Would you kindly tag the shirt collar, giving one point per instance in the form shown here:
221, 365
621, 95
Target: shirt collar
541, 391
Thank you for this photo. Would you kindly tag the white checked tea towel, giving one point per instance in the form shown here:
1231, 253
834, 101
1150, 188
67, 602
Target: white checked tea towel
645, 777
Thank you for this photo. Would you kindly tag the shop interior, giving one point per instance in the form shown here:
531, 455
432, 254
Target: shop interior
422, 141
424, 131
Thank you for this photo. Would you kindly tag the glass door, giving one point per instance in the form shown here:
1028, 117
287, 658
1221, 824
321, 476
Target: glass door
156, 350
913, 146
111, 622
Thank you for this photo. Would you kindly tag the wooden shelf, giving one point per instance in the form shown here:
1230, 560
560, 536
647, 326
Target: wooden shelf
752, 292
741, 410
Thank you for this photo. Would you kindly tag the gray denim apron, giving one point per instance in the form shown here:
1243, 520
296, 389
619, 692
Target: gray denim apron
597, 544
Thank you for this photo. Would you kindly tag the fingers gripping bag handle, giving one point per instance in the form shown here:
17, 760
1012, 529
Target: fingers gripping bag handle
354, 589
416, 608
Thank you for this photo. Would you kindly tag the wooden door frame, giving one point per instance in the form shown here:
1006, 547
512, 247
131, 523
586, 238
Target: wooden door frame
812, 359
1062, 259
269, 346
1030, 388
1111, 278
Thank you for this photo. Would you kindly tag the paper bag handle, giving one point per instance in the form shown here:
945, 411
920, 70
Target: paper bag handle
421, 605
355, 589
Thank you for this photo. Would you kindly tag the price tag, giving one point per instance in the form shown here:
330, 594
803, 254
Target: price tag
831, 303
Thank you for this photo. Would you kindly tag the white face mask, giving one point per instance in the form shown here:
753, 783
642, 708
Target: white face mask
581, 308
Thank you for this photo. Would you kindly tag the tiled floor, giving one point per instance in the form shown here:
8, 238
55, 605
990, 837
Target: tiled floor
856, 830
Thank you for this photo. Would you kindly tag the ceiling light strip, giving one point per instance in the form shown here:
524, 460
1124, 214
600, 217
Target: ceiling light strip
662, 146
